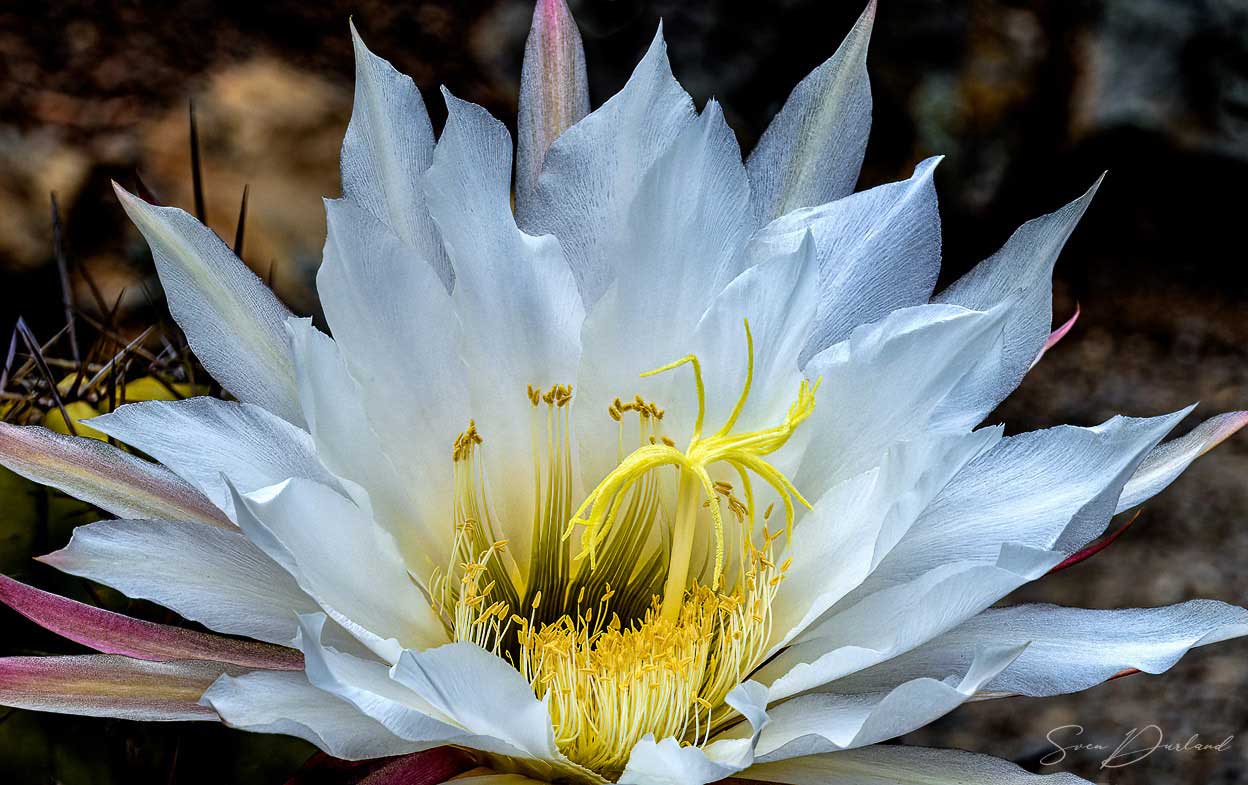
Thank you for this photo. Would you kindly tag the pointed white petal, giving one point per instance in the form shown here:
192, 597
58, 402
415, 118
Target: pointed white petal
1167, 461
104, 685
285, 703
1054, 488
593, 171
400, 337
343, 559
100, 474
208, 574
891, 764
859, 633
813, 149
366, 684
232, 321
388, 146
204, 439
517, 303
669, 762
1019, 276
881, 385
826, 722
554, 91
879, 250
348, 444
859, 521
481, 693
1005, 519
686, 228
1070, 649
778, 297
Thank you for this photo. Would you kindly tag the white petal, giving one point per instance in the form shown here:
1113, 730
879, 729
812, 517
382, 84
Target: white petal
594, 170
863, 632
208, 574
100, 474
519, 310
554, 91
272, 702
891, 764
1070, 649
879, 250
1008, 517
481, 693
813, 149
778, 298
686, 228
1020, 276
388, 146
1167, 461
366, 684
232, 321
400, 337
341, 557
668, 762
856, 523
203, 439
349, 445
823, 722
881, 385
1054, 488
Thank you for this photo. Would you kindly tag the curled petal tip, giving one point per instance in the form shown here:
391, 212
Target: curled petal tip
1225, 427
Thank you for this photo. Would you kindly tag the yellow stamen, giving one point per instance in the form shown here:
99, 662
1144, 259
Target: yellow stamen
615, 623
743, 451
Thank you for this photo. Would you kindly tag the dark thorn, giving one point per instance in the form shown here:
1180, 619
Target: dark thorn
96, 294
197, 175
145, 193
8, 360
62, 267
37, 355
242, 221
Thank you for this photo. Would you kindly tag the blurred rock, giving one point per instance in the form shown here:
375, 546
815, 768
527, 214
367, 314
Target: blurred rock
33, 165
276, 129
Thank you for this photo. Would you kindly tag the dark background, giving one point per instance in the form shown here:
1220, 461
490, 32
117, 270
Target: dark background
1030, 102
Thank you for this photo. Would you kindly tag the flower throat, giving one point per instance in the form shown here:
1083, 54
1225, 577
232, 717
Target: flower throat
634, 615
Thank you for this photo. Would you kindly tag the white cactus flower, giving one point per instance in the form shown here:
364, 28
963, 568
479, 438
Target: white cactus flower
674, 472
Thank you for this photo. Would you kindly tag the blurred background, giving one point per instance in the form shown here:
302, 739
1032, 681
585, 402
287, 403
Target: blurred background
1028, 101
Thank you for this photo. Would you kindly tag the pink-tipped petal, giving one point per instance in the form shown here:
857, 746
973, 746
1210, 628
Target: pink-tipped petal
1167, 461
103, 685
1057, 335
113, 633
554, 90
103, 475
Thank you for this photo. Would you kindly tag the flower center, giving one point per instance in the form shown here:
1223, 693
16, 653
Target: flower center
618, 622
